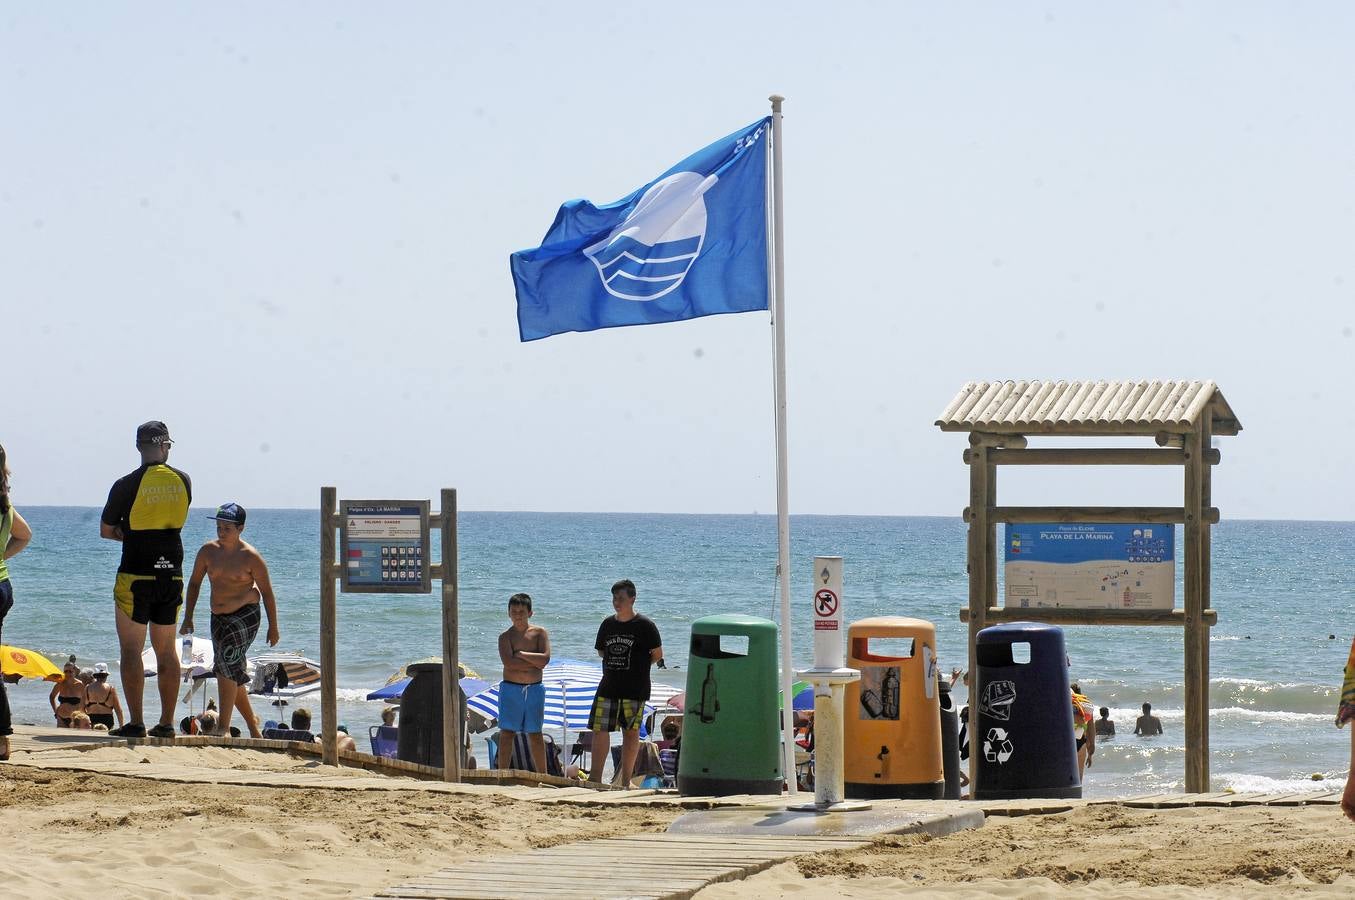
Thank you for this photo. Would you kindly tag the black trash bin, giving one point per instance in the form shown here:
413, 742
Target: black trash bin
950, 742
1025, 741
420, 739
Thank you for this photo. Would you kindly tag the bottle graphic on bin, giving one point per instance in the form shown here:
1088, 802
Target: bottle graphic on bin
889, 694
709, 704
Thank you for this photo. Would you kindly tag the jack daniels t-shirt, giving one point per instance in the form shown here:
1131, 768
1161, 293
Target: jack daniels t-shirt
625, 649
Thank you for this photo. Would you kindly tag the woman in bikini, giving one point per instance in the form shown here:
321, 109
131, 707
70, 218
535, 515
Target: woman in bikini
101, 698
68, 695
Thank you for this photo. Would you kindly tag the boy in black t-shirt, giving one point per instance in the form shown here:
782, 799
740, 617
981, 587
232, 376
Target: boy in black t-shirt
628, 644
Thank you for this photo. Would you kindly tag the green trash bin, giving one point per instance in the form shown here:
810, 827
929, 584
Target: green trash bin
731, 742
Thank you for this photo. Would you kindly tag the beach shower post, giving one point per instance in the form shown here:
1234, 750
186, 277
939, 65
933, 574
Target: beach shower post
830, 679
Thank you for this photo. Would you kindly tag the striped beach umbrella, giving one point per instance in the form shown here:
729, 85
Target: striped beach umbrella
570, 686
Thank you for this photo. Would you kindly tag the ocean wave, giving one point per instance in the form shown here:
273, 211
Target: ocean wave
1267, 715
1287, 696
1124, 718
352, 693
1244, 783
1247, 693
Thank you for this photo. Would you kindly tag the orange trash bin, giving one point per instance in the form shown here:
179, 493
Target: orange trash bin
892, 716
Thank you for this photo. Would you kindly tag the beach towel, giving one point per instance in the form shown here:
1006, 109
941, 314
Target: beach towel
1346, 711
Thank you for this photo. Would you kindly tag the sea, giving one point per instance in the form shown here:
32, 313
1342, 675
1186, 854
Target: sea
1282, 589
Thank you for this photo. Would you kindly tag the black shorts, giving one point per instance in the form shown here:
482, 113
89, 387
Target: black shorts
149, 599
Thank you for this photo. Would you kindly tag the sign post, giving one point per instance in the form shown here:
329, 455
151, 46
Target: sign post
830, 679
384, 549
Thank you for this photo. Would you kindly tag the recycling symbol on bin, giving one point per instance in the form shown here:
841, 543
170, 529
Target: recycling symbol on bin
996, 747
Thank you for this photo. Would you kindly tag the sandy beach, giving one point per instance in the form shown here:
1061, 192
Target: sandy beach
1111, 851
71, 834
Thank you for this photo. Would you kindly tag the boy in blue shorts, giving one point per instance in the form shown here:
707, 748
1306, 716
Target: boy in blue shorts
525, 650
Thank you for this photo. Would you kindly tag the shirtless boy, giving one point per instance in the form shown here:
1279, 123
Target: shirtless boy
525, 650
239, 580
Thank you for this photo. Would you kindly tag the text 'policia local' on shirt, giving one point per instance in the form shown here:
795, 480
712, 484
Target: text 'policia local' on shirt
150, 505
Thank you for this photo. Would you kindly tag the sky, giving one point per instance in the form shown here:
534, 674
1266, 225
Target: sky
284, 230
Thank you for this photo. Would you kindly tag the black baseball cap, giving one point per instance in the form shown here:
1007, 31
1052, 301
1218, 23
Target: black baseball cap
230, 512
152, 432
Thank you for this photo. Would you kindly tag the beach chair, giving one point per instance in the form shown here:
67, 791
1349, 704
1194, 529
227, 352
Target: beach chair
648, 764
668, 758
385, 740
522, 754
289, 734
581, 751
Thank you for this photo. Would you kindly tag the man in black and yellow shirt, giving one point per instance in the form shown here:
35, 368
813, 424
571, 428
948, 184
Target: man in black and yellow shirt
146, 511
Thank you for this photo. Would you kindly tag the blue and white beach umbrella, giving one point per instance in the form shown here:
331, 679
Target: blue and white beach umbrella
570, 685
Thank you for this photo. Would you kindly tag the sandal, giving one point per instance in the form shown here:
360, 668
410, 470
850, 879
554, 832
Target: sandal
129, 731
161, 731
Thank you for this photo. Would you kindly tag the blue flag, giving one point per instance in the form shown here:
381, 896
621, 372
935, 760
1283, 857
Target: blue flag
692, 242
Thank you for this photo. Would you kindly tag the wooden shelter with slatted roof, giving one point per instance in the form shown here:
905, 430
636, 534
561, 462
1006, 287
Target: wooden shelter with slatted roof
1180, 418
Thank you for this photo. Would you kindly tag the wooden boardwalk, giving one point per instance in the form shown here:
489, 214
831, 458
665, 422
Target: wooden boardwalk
669, 866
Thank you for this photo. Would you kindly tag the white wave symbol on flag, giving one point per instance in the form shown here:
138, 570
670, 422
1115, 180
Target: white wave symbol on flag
651, 252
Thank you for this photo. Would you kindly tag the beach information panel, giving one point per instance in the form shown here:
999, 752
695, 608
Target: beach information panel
383, 547
1083, 566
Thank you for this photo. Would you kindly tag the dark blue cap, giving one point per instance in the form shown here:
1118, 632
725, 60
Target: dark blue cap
230, 512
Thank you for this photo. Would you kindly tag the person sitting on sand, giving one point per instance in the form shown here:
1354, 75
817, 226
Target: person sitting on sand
1147, 724
101, 699
208, 720
67, 694
301, 719
1104, 726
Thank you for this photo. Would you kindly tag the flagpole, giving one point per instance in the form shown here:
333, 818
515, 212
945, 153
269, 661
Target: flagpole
782, 476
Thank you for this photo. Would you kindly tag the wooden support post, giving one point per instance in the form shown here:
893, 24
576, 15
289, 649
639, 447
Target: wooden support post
329, 699
990, 537
1196, 632
451, 647
1208, 460
978, 588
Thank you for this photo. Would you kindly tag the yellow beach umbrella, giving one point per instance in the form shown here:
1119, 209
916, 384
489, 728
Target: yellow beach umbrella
27, 664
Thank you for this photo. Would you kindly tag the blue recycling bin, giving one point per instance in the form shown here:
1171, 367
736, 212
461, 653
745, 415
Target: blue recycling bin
421, 725
1025, 741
